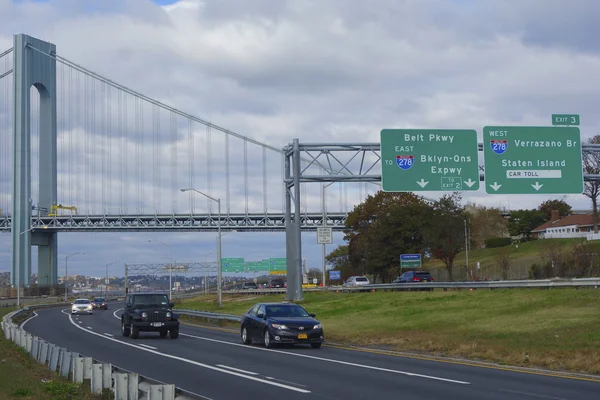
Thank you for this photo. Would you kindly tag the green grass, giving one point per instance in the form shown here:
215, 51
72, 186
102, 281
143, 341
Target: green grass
21, 377
556, 329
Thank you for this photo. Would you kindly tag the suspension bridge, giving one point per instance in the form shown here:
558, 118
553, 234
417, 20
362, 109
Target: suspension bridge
81, 152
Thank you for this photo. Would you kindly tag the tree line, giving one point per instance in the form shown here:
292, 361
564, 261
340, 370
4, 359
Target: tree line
386, 225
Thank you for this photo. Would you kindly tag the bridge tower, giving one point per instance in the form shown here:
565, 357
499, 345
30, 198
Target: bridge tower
34, 65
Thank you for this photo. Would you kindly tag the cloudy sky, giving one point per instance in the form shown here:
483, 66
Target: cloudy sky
327, 71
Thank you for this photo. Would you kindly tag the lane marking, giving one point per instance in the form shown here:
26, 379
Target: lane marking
80, 322
108, 334
185, 360
238, 370
330, 360
28, 319
519, 370
148, 347
89, 327
532, 394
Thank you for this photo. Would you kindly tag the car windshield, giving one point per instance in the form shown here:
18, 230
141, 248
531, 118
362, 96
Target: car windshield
150, 300
82, 302
277, 282
99, 300
289, 311
360, 279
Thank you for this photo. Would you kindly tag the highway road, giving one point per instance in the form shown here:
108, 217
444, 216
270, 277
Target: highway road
213, 363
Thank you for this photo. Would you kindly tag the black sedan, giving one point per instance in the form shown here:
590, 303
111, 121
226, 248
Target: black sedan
275, 323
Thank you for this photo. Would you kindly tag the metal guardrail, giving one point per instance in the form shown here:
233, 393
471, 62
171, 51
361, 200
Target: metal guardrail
209, 315
125, 385
513, 284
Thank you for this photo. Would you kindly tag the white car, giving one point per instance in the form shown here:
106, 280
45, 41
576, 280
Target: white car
81, 306
357, 281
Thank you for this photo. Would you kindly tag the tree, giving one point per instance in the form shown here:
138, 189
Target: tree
591, 165
340, 261
444, 232
383, 227
503, 259
522, 222
486, 223
550, 205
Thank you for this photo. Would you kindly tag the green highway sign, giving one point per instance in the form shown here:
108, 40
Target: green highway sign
565, 119
277, 266
232, 264
417, 160
410, 261
255, 266
532, 160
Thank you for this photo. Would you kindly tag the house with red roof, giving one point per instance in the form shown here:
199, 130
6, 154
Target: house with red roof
570, 226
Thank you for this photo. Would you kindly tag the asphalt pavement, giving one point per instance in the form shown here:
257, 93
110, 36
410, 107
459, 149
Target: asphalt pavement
213, 362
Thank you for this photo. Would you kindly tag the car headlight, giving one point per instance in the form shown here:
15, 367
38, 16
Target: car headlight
89, 307
318, 326
169, 314
279, 326
144, 315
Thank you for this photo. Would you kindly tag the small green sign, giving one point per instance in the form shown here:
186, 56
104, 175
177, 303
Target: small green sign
410, 261
417, 160
565, 119
532, 160
232, 264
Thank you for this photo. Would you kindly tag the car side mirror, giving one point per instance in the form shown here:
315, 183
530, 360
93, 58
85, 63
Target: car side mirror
260, 315
171, 305
312, 315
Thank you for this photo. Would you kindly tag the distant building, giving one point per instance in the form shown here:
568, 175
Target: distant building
570, 226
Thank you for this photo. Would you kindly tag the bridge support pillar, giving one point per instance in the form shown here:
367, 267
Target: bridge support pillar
33, 66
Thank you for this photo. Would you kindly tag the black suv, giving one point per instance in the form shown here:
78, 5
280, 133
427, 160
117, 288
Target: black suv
149, 312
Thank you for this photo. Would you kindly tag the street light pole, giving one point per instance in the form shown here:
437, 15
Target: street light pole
170, 266
219, 268
106, 281
67, 271
323, 205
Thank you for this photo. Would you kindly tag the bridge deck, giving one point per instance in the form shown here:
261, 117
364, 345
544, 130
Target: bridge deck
171, 222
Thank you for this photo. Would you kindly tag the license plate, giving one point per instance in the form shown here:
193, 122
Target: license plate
302, 336
156, 323
424, 280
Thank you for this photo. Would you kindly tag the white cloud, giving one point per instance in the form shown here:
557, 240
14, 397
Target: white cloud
326, 71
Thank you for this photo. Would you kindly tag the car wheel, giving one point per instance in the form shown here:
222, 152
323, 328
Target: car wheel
315, 345
267, 339
174, 333
125, 331
135, 332
245, 338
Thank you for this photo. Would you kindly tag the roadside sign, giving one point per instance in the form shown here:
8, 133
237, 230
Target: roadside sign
532, 160
255, 266
565, 119
416, 160
324, 235
232, 264
335, 275
277, 266
410, 261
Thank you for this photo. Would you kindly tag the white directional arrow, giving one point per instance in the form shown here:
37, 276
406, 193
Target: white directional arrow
422, 182
495, 186
537, 186
470, 183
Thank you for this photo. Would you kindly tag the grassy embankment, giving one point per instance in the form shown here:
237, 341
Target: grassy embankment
522, 257
557, 329
23, 378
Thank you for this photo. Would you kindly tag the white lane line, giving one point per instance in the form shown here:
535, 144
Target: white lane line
185, 360
89, 327
238, 370
108, 334
115, 313
541, 396
28, 319
80, 322
148, 347
329, 360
